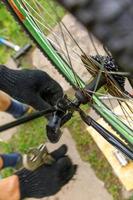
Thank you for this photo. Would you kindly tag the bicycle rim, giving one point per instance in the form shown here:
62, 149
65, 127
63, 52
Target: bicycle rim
27, 15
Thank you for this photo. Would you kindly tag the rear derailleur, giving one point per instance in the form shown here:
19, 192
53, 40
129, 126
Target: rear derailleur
64, 112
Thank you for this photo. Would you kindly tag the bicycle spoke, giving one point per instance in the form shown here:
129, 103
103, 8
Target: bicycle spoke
127, 117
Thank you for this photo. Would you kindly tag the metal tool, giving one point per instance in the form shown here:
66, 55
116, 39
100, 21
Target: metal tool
9, 44
123, 160
37, 157
20, 51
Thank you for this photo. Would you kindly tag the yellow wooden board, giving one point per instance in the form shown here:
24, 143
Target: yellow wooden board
125, 174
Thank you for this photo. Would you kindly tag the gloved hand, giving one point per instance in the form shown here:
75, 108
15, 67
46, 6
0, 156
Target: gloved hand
32, 87
47, 180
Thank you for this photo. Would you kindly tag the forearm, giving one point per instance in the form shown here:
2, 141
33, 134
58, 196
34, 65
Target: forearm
9, 188
5, 101
1, 163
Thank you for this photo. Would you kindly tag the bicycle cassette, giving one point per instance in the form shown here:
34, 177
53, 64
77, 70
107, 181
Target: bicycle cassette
114, 83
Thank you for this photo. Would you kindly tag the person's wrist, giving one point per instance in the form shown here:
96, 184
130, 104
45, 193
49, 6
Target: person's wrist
9, 188
1, 163
15, 190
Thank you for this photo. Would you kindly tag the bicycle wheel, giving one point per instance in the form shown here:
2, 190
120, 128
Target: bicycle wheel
111, 22
31, 15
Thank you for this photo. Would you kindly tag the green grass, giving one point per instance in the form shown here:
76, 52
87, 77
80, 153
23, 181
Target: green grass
89, 152
11, 31
30, 134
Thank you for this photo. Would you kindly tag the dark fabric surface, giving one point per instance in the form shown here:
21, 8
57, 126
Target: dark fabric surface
33, 87
47, 180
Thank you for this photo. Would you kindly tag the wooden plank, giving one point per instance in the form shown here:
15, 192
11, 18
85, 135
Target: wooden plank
125, 174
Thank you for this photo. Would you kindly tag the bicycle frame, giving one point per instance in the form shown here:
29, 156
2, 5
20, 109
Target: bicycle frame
71, 107
63, 67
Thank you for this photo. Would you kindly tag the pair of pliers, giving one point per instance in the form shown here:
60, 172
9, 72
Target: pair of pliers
37, 157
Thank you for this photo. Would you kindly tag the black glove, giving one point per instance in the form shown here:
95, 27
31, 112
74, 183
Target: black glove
47, 180
32, 87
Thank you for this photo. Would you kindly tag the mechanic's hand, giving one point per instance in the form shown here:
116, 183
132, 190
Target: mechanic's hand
47, 180
32, 87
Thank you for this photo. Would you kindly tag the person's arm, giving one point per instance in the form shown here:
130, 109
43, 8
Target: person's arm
5, 101
39, 91
13, 107
45, 181
1, 163
9, 188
